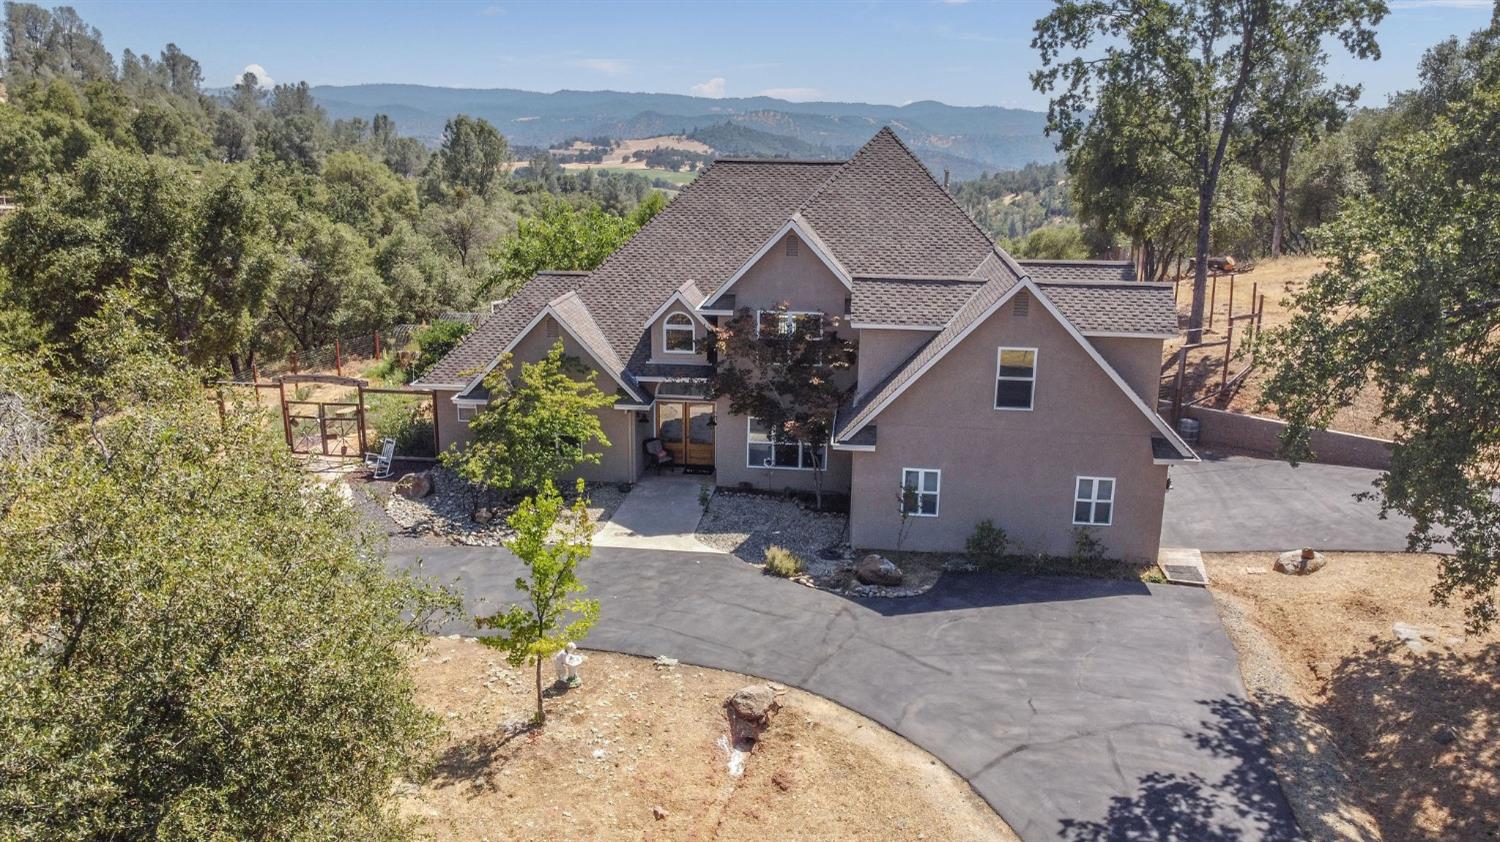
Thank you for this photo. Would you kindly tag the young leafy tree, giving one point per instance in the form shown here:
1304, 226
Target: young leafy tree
791, 373
1410, 304
550, 541
535, 429
1189, 66
195, 644
435, 341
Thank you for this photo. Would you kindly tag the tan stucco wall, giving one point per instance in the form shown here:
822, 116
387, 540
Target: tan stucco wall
618, 463
801, 283
880, 351
659, 355
1016, 468
1137, 360
730, 452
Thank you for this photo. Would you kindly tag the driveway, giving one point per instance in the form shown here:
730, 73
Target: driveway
1245, 503
1078, 708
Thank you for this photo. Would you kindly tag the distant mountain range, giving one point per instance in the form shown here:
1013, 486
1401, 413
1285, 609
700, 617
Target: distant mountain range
965, 140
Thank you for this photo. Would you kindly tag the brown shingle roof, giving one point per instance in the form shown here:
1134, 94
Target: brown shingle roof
479, 348
1147, 309
909, 301
883, 214
1079, 271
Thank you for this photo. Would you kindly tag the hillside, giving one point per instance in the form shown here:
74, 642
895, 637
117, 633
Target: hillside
965, 140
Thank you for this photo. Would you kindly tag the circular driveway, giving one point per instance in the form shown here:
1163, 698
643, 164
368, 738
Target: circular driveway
1078, 708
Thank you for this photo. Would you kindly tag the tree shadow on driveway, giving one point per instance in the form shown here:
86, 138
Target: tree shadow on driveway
1245, 803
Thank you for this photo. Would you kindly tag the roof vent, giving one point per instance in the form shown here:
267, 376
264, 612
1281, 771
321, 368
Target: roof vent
1022, 307
791, 245
551, 331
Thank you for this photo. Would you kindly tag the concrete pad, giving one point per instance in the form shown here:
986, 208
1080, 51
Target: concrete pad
659, 513
1182, 565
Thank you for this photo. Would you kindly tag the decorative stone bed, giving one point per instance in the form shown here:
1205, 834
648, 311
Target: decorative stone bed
448, 513
748, 523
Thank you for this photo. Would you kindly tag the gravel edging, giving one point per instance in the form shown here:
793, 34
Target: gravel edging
1313, 773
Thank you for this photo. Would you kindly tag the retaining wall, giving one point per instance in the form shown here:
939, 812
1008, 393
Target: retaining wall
1263, 435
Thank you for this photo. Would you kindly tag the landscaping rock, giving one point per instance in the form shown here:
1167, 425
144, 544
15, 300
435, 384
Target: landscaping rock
1445, 734
754, 703
1416, 638
1300, 562
659, 812
483, 515
414, 486
875, 569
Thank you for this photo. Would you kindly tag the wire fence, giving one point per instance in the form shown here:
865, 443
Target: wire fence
345, 355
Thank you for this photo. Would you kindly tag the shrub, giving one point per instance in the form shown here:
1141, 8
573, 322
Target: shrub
782, 562
403, 419
1088, 550
988, 543
436, 341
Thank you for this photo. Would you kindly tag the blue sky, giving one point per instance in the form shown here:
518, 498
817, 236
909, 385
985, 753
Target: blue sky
963, 53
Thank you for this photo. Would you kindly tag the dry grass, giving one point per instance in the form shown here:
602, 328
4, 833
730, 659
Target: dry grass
1380, 705
1275, 280
635, 737
641, 144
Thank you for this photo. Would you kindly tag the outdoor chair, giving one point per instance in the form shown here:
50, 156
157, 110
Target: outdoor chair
381, 461
657, 457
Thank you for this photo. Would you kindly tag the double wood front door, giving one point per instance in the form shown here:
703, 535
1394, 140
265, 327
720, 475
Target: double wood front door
686, 430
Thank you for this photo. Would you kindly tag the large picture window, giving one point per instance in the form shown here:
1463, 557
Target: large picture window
765, 449
919, 491
1094, 501
677, 334
1015, 378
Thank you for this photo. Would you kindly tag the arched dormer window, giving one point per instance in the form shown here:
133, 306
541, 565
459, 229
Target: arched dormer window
677, 334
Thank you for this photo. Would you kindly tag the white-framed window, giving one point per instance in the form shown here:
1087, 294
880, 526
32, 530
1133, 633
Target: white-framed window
677, 334
1094, 501
919, 491
467, 411
765, 449
785, 321
1015, 378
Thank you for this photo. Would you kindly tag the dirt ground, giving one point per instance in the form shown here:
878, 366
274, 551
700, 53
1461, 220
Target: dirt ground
1274, 279
636, 737
641, 144
1372, 739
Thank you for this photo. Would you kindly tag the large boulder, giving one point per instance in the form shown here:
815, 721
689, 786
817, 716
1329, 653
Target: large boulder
876, 569
413, 486
1300, 562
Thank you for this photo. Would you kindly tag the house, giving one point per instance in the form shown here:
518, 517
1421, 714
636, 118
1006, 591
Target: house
1016, 391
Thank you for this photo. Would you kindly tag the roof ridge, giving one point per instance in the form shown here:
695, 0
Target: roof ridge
968, 279
750, 159
1066, 262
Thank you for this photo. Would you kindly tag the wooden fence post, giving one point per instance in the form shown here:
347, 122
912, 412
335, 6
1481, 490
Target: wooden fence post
377, 344
1213, 299
1231, 296
294, 363
338, 357
1228, 352
286, 422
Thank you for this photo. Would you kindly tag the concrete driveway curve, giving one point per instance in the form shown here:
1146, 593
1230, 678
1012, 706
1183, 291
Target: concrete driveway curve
1079, 709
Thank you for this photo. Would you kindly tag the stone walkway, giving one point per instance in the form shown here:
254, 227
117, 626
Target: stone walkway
659, 513
1080, 709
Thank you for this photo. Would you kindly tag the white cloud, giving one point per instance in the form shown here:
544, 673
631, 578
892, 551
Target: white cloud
261, 76
492, 10
713, 88
607, 66
792, 94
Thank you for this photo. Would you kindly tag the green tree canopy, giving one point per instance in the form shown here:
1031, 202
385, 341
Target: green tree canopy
1410, 305
196, 644
561, 237
1189, 67
535, 429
